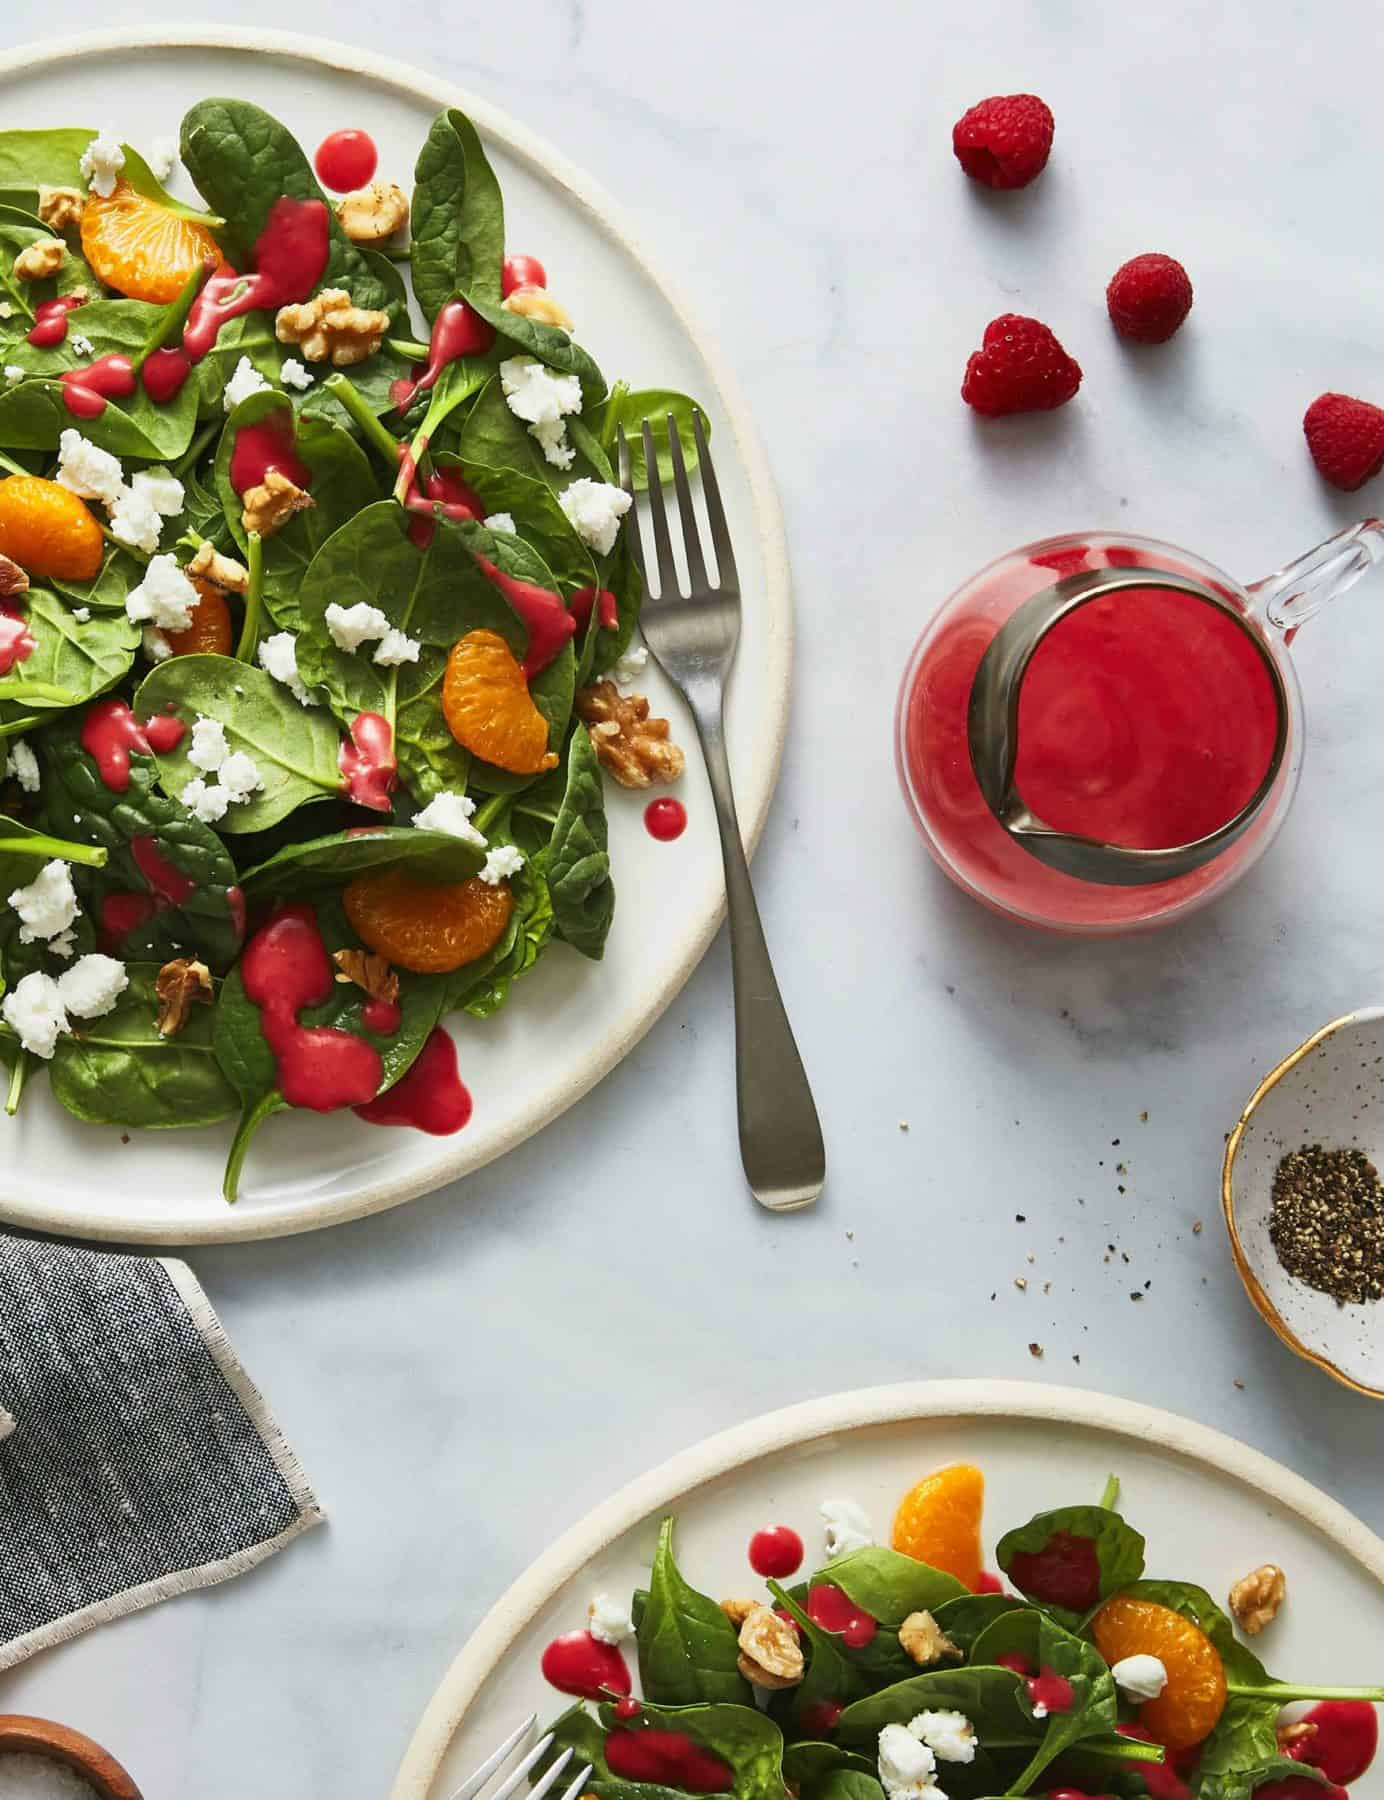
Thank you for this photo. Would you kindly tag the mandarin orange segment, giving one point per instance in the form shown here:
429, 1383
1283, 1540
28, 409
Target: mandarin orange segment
938, 1521
47, 530
211, 632
427, 926
140, 248
488, 707
1189, 1706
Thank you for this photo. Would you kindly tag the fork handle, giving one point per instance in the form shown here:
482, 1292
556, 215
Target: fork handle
780, 1136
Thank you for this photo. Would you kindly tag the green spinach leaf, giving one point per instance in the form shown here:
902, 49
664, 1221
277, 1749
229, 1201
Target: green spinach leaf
1046, 1646
458, 230
809, 1764
332, 861
623, 407
886, 1584
70, 658
1119, 1551
549, 343
688, 1649
578, 865
964, 1619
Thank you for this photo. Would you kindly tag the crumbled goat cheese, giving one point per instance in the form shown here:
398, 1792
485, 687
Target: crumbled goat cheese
165, 598
208, 800
156, 646
396, 647
6, 309
87, 471
848, 1527
595, 510
35, 1013
208, 748
102, 161
950, 1736
246, 380
501, 522
48, 905
906, 1766
240, 775
81, 346
542, 400
296, 375
64, 943
161, 488
630, 666
352, 626
163, 157
608, 1621
1140, 1677
82, 614
551, 436
136, 521
24, 766
91, 987
450, 813
278, 657
500, 863
13, 374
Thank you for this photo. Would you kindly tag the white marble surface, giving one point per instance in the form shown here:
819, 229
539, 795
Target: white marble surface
467, 1375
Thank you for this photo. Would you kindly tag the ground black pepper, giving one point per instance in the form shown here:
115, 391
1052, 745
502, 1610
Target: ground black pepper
1327, 1222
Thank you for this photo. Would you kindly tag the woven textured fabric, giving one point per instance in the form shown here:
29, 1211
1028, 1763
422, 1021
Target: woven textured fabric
142, 1460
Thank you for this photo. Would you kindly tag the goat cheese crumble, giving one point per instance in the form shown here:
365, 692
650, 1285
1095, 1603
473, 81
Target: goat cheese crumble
35, 1013
81, 346
163, 157
245, 381
396, 647
239, 775
161, 488
47, 905
906, 1766
101, 163
208, 748
542, 400
950, 1736
501, 522
208, 800
608, 1621
594, 509
165, 599
82, 614
500, 863
13, 374
88, 471
23, 765
91, 987
848, 1527
1140, 1677
156, 646
278, 657
296, 375
450, 813
630, 665
352, 626
135, 520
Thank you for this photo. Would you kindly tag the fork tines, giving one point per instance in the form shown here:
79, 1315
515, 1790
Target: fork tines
542, 1785
727, 583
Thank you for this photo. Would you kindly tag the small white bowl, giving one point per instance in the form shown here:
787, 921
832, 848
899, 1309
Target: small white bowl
1330, 1091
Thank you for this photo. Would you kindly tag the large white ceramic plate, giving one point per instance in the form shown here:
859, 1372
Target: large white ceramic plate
572, 1021
1210, 1508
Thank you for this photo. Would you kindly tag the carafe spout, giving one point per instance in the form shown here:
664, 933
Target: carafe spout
1299, 591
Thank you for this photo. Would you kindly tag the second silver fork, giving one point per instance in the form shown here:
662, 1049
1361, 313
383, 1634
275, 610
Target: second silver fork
693, 636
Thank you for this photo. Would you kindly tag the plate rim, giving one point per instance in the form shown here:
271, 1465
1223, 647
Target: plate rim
609, 216
791, 1427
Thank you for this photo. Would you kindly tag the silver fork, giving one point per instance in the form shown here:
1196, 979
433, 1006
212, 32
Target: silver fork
546, 1781
693, 636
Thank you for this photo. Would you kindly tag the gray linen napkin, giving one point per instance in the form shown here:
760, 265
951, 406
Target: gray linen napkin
141, 1461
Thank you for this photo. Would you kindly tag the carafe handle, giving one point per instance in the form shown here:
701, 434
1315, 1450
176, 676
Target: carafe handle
1298, 592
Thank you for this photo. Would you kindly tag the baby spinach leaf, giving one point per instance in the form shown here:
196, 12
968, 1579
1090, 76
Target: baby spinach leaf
688, 1649
458, 225
578, 864
808, 1765
1046, 1646
333, 861
492, 438
107, 589
848, 1784
1239, 1784
343, 484
30, 160
1119, 1550
991, 1698
33, 415
242, 161
964, 1619
881, 1582
549, 343
121, 1071
74, 659
144, 181
482, 987
533, 506
623, 407
208, 921
294, 747
621, 575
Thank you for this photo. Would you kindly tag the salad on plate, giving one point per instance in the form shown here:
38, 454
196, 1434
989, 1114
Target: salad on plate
317, 625
911, 1672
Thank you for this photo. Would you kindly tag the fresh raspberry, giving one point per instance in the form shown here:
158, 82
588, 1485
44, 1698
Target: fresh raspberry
1346, 438
1004, 142
1020, 367
1149, 297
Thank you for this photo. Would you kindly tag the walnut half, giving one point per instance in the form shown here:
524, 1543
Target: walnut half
537, 303
177, 986
770, 1654
13, 580
925, 1641
272, 504
1256, 1599
61, 208
635, 748
221, 571
367, 971
44, 257
332, 325
737, 1611
373, 213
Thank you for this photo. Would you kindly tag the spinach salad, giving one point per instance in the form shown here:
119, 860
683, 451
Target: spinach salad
305, 610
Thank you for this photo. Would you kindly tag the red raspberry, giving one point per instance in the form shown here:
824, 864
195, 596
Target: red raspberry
1004, 142
1149, 297
1346, 438
1020, 367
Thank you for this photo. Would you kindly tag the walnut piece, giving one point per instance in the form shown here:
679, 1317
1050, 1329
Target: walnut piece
61, 208
368, 971
1256, 1599
176, 986
537, 303
737, 1611
373, 213
272, 504
635, 748
13, 580
221, 571
37, 260
926, 1642
332, 325
770, 1654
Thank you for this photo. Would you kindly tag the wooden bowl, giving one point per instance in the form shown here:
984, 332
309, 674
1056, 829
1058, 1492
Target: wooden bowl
42, 1737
